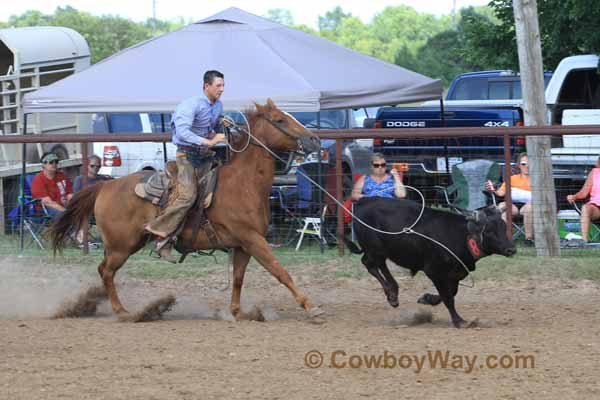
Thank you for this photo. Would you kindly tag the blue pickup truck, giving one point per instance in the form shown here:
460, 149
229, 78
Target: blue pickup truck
430, 159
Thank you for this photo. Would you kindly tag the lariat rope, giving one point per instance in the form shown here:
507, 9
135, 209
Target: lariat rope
405, 230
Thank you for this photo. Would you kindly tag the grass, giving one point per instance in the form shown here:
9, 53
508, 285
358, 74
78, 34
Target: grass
574, 264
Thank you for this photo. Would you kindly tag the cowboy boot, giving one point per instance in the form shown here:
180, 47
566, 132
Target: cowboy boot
163, 249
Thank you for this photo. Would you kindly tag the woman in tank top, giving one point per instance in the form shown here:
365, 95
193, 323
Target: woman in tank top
590, 210
379, 183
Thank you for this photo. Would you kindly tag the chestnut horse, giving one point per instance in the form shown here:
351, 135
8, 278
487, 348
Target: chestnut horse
239, 212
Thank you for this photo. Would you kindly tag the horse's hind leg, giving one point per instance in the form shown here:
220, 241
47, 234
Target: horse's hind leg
260, 250
240, 262
108, 267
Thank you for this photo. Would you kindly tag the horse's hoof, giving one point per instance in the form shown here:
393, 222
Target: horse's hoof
124, 317
315, 312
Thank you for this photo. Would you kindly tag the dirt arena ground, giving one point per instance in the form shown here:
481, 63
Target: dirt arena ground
550, 328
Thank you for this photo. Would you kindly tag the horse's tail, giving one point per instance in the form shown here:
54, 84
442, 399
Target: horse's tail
71, 220
353, 247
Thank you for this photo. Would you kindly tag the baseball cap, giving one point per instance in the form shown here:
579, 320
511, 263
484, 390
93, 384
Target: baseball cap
49, 157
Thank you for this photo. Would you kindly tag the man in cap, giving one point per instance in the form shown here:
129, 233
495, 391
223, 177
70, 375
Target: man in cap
52, 186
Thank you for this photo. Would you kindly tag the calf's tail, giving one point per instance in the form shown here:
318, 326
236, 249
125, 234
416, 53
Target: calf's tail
353, 247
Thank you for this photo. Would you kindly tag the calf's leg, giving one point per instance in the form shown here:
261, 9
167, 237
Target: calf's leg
375, 265
430, 299
392, 284
447, 288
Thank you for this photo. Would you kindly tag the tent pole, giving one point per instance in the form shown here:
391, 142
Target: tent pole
443, 119
164, 144
22, 192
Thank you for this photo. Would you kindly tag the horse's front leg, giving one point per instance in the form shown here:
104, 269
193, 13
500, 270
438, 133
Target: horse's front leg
258, 248
240, 262
107, 269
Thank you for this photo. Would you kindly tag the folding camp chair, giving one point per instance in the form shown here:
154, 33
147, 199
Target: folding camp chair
35, 215
594, 232
300, 201
312, 226
467, 191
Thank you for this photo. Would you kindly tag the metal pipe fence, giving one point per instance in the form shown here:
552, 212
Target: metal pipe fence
290, 220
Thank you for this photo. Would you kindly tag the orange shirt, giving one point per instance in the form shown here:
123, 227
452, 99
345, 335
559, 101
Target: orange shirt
519, 182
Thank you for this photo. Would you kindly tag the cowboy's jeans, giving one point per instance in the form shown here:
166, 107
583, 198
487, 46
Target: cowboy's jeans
168, 222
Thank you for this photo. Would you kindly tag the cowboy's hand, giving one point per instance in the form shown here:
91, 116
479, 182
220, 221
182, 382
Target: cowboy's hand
226, 122
218, 138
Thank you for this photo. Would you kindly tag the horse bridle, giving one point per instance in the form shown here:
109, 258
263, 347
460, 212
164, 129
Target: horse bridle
276, 125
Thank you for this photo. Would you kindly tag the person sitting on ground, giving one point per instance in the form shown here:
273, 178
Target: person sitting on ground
520, 194
93, 177
52, 186
379, 183
590, 210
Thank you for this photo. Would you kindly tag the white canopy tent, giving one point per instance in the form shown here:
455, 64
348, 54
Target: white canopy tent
260, 59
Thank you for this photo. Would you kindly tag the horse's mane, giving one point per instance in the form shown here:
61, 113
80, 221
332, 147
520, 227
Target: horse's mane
252, 114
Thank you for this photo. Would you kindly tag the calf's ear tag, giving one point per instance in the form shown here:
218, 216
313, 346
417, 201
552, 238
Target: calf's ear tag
473, 247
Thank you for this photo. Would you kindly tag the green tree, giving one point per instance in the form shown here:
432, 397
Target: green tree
332, 19
402, 27
567, 27
29, 18
105, 35
280, 15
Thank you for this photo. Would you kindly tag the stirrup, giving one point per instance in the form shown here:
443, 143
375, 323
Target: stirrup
162, 242
166, 255
162, 252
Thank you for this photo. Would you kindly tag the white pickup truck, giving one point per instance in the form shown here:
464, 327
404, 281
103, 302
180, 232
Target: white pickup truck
573, 98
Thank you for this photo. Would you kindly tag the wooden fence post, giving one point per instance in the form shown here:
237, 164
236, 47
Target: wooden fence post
534, 108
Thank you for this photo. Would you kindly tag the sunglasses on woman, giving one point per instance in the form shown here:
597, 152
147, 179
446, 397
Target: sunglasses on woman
94, 166
376, 165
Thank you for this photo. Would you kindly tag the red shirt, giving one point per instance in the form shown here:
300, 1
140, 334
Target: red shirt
57, 189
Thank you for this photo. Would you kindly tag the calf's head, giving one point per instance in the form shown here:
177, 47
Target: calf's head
488, 226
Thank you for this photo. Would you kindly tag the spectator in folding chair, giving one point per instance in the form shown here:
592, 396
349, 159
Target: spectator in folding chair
520, 194
35, 215
590, 210
53, 187
93, 177
379, 183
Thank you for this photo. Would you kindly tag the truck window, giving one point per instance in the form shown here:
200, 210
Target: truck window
501, 87
471, 89
99, 123
157, 123
580, 87
129, 123
500, 90
330, 119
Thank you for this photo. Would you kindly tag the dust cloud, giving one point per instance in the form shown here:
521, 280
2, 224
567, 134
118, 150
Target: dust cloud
34, 288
